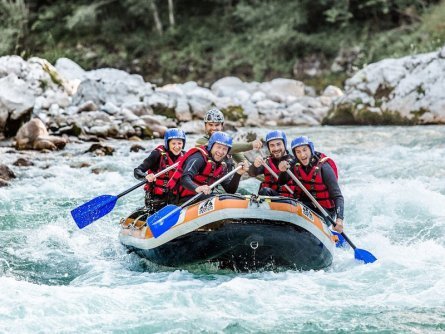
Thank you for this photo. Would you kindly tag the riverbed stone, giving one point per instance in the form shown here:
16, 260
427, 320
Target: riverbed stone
34, 135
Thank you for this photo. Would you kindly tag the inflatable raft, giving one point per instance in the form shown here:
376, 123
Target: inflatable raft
237, 232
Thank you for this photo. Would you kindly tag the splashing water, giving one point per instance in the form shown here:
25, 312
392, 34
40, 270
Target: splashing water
57, 278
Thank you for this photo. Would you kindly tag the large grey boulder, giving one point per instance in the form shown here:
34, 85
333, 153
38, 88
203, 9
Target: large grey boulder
408, 90
16, 100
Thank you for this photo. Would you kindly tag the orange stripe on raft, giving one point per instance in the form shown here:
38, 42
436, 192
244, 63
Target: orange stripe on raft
192, 212
299, 211
148, 233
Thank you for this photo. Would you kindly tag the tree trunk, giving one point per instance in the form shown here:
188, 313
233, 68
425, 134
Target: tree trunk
171, 15
156, 18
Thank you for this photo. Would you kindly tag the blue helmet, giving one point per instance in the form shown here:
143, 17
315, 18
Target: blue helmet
276, 134
300, 141
173, 134
220, 138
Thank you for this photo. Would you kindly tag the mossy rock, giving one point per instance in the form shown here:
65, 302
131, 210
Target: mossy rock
342, 114
146, 132
419, 113
383, 92
366, 117
348, 114
164, 111
53, 74
234, 113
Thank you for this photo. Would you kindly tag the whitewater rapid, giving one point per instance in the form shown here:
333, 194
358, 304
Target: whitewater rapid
56, 278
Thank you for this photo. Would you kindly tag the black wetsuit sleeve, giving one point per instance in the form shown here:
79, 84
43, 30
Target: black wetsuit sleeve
230, 185
151, 162
254, 171
194, 165
330, 180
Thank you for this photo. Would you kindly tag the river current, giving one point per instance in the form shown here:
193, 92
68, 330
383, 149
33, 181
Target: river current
55, 278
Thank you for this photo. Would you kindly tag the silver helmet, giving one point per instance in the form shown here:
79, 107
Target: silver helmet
214, 115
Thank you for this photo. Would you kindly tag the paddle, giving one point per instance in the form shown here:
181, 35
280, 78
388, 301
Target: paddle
273, 173
168, 216
360, 254
98, 207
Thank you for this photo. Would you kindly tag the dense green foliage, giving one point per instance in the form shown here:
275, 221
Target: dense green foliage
172, 41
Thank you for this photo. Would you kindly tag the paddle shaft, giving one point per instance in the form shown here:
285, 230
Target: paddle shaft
199, 194
276, 176
273, 173
145, 181
322, 210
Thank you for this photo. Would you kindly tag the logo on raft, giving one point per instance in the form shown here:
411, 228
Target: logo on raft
206, 206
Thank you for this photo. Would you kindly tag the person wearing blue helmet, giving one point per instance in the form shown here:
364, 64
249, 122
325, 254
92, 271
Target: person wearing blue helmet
202, 166
318, 173
156, 192
214, 121
276, 142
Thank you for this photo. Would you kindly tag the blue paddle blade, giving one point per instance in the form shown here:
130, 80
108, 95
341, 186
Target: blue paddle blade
363, 255
92, 210
161, 221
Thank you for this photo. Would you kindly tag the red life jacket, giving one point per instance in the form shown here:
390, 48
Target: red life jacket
313, 181
271, 182
211, 172
159, 187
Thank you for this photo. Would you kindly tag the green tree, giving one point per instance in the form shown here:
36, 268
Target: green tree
13, 25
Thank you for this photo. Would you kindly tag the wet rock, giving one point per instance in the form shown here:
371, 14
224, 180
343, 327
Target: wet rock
80, 165
100, 149
98, 170
89, 138
136, 148
22, 162
6, 173
70, 130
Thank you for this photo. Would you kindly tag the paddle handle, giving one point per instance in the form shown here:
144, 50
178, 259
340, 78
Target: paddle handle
273, 173
322, 210
199, 194
276, 176
145, 181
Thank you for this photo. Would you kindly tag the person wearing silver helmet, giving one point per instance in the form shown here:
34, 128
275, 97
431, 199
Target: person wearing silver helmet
214, 121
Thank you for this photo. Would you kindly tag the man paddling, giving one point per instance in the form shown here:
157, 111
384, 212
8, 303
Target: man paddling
318, 174
157, 195
202, 166
214, 121
276, 143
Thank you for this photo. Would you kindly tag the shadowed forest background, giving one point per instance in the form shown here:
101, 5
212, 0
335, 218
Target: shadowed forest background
318, 41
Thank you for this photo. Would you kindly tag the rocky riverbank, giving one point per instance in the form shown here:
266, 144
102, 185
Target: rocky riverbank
44, 107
